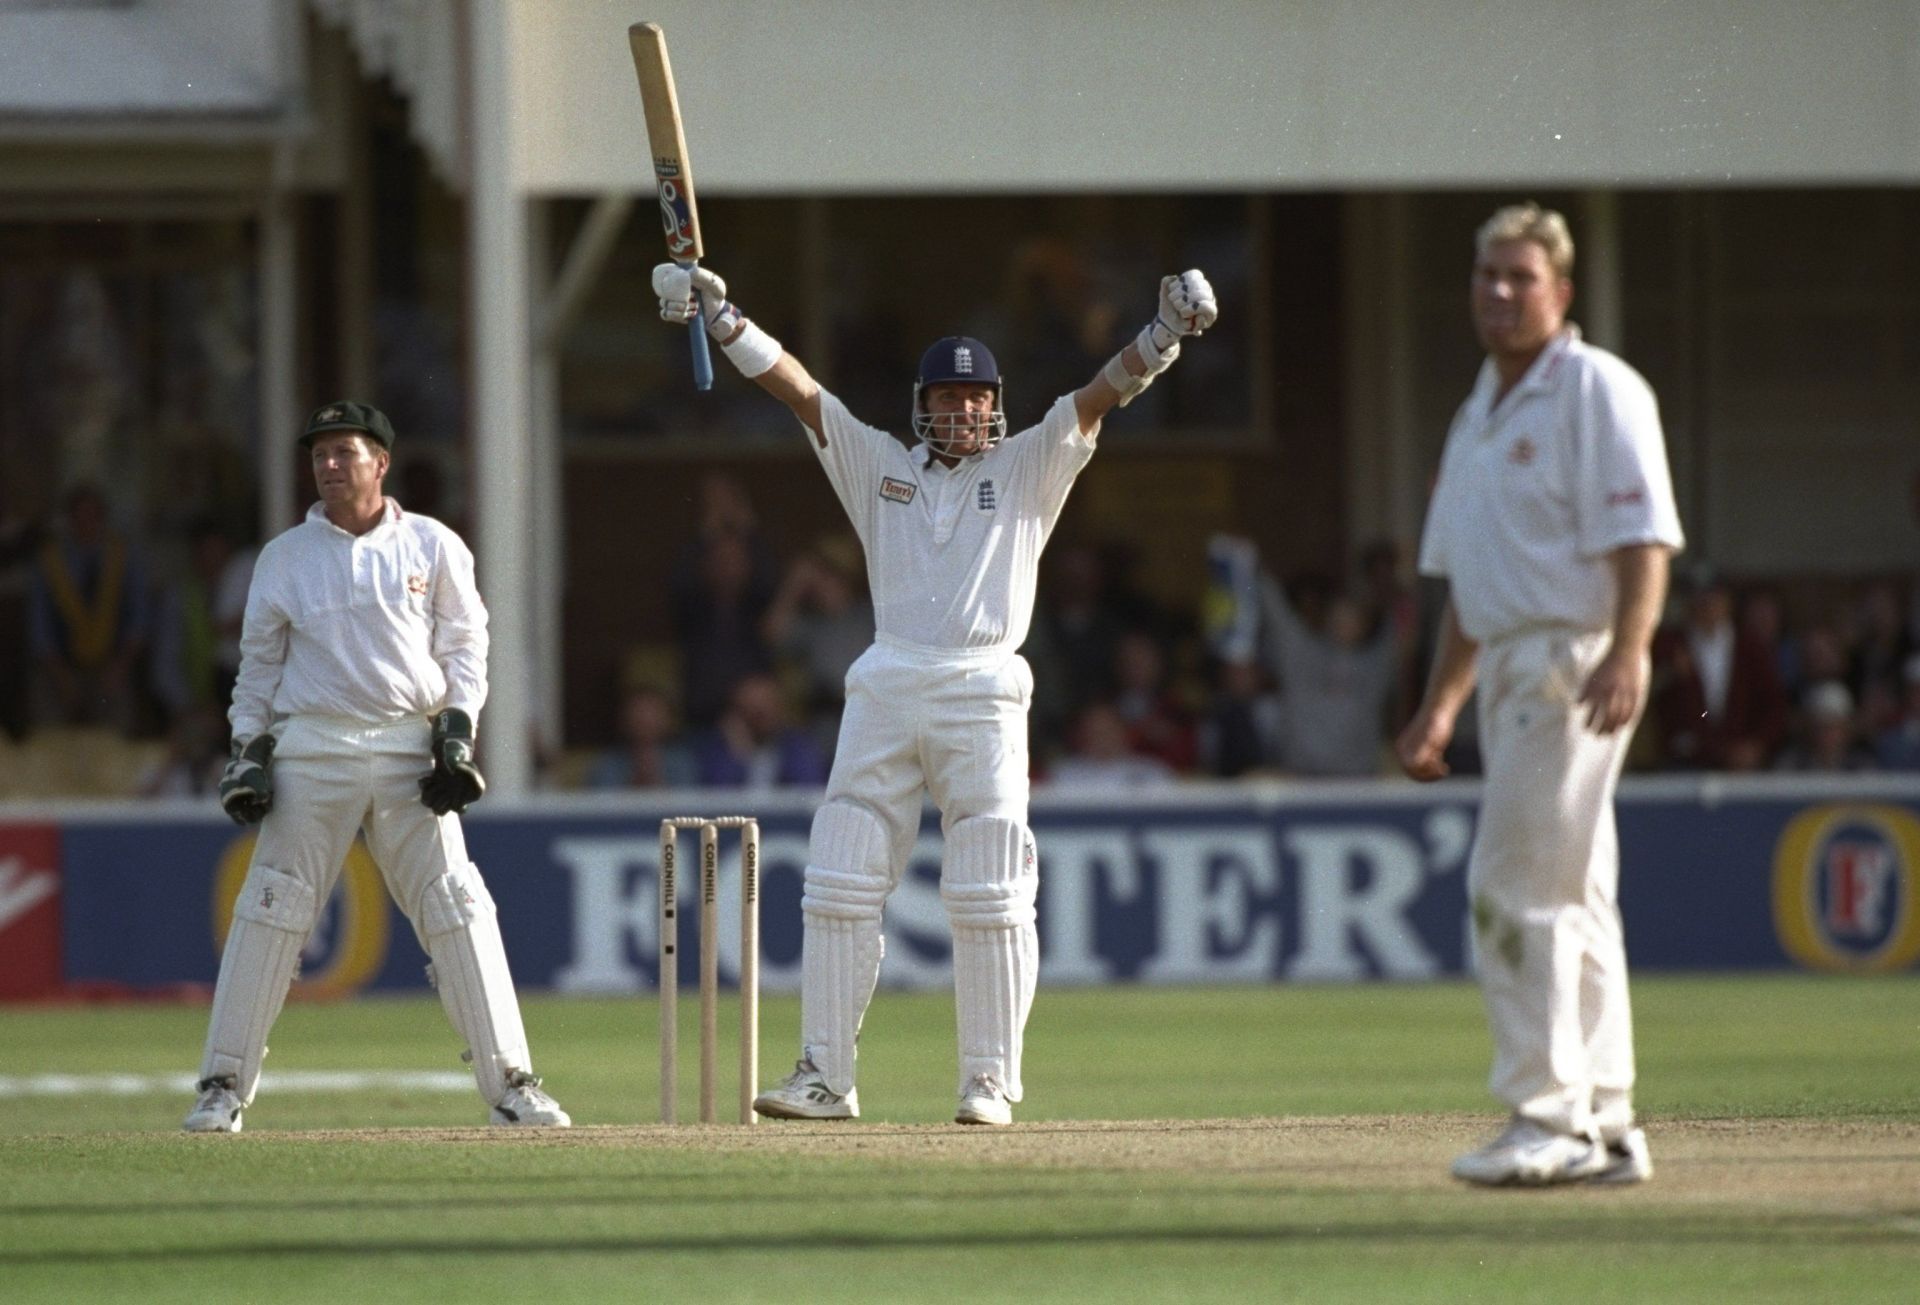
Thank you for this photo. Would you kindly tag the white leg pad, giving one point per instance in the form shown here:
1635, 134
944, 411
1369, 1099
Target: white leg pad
846, 889
271, 920
461, 930
989, 882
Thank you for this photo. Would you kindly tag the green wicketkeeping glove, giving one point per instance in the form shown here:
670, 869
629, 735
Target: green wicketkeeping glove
456, 783
246, 786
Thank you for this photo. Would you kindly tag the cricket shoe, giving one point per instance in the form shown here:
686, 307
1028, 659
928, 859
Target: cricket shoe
984, 1102
526, 1106
1628, 1160
217, 1110
1527, 1154
804, 1094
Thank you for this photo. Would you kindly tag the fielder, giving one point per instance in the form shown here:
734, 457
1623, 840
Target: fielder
363, 668
1554, 520
952, 531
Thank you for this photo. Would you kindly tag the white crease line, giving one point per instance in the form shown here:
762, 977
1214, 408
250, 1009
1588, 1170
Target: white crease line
297, 1080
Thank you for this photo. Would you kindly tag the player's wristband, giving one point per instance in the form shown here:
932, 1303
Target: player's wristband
1158, 346
1124, 382
753, 351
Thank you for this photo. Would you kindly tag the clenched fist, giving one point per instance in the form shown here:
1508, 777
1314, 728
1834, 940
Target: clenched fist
1187, 305
677, 285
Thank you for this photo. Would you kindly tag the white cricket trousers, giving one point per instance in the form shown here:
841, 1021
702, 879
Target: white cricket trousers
933, 722
333, 778
1543, 886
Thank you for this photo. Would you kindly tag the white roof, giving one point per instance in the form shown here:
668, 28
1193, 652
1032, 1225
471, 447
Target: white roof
66, 66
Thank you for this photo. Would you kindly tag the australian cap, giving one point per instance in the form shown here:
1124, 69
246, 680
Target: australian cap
347, 415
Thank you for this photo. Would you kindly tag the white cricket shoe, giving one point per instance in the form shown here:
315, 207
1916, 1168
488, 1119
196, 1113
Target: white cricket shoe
1528, 1154
1628, 1160
984, 1102
804, 1094
526, 1106
217, 1110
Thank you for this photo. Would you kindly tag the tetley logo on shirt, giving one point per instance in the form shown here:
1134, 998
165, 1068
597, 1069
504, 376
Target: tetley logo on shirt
900, 491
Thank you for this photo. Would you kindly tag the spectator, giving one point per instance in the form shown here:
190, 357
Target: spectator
1392, 606
821, 621
1718, 704
1829, 736
649, 755
1823, 657
88, 619
754, 746
1241, 731
1335, 683
1158, 722
1897, 745
1103, 755
1764, 622
22, 534
721, 587
196, 652
1072, 644
1879, 655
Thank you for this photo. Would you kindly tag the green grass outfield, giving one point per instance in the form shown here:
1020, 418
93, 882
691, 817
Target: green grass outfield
1217, 1144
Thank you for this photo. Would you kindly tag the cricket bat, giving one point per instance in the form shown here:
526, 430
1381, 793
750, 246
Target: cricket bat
667, 141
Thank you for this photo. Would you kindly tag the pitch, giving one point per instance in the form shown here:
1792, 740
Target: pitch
1258, 1143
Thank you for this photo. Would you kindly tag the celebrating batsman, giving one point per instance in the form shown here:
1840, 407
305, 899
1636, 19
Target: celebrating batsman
363, 668
952, 531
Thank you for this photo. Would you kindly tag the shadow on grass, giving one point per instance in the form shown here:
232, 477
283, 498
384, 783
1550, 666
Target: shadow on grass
1657, 1229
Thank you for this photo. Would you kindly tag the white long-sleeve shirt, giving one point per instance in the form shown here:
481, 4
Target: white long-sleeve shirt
380, 627
953, 554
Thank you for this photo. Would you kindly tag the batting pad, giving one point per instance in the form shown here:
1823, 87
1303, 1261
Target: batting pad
271, 920
461, 930
989, 882
846, 889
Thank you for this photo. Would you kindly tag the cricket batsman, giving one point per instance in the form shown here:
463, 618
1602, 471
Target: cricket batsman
952, 528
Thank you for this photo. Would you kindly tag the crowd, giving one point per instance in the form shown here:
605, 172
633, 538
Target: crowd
104, 646
1307, 675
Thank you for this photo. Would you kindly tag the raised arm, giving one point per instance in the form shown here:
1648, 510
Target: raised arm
1187, 307
757, 355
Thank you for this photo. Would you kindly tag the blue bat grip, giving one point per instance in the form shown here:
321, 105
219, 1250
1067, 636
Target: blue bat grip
702, 360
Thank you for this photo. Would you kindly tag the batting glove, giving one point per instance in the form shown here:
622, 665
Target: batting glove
455, 783
676, 286
1187, 307
246, 786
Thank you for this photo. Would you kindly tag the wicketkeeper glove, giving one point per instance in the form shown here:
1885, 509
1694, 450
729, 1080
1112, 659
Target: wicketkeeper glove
246, 785
455, 783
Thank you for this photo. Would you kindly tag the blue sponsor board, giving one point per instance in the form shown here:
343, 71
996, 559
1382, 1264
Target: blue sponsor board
1331, 884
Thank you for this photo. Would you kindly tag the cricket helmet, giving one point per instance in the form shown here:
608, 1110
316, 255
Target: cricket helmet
957, 360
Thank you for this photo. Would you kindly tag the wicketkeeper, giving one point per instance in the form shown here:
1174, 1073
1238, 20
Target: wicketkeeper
363, 669
952, 531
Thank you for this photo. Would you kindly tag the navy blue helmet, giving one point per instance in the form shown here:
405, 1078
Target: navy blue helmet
958, 360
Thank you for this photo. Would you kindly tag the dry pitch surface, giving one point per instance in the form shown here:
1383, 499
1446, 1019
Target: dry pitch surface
1865, 1169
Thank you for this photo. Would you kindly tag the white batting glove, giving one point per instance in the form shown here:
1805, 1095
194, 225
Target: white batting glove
676, 286
1187, 307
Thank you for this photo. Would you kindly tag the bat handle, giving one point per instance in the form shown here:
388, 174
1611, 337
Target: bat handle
702, 360
697, 337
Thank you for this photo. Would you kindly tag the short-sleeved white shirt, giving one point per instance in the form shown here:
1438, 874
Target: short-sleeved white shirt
1535, 493
953, 554
376, 627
